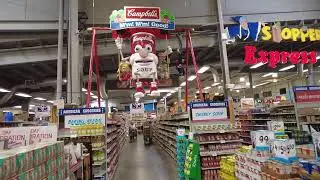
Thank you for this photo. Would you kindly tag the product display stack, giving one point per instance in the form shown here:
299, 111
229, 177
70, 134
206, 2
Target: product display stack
34, 162
182, 143
216, 135
227, 168
192, 169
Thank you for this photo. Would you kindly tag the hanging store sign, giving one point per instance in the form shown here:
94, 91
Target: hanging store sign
307, 94
142, 17
293, 34
83, 117
209, 111
22, 136
137, 110
81, 111
273, 58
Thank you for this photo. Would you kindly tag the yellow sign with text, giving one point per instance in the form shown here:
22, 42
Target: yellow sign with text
293, 34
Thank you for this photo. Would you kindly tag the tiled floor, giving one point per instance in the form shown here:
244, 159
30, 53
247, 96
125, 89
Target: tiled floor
140, 162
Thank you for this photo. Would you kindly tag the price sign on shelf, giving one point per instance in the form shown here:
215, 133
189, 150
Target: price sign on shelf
181, 132
284, 149
276, 126
262, 139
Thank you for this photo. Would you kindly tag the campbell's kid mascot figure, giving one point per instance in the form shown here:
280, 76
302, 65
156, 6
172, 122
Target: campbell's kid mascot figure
144, 62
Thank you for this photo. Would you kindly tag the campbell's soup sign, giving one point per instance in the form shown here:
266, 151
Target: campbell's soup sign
142, 13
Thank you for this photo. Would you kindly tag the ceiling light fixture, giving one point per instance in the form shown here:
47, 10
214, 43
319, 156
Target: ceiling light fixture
4, 90
191, 78
247, 83
287, 68
23, 95
40, 98
94, 97
18, 107
257, 65
275, 80
84, 90
318, 57
237, 91
216, 94
203, 69
206, 88
242, 79
261, 84
305, 70
215, 84
271, 74
50, 101
183, 84
169, 94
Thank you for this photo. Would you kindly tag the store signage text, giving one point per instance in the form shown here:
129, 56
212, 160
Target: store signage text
209, 114
84, 120
252, 56
307, 94
141, 17
261, 139
284, 150
64, 112
293, 34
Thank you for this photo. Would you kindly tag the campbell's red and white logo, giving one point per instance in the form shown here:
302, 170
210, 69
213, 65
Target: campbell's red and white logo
142, 13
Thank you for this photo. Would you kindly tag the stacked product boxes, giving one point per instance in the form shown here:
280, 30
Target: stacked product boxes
41, 161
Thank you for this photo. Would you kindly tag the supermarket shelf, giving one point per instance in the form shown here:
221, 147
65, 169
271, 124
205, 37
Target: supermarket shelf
101, 173
278, 114
218, 131
247, 142
99, 163
306, 123
253, 119
172, 124
13, 122
166, 140
111, 147
167, 146
283, 106
78, 135
210, 168
255, 125
260, 113
112, 138
98, 148
245, 136
174, 131
167, 135
166, 149
218, 153
221, 141
76, 166
111, 130
289, 122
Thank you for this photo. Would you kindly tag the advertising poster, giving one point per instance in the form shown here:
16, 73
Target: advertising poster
83, 117
39, 134
307, 94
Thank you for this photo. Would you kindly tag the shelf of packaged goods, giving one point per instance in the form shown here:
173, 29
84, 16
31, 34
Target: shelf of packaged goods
209, 168
258, 113
76, 166
112, 122
167, 141
168, 146
246, 142
98, 148
289, 122
172, 124
283, 106
111, 130
245, 136
166, 149
221, 141
170, 130
172, 137
253, 125
99, 163
78, 135
112, 175
279, 114
218, 153
218, 131
253, 119
182, 116
248, 173
111, 147
100, 174
306, 123
111, 138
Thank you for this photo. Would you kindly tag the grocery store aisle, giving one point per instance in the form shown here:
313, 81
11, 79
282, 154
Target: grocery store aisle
140, 162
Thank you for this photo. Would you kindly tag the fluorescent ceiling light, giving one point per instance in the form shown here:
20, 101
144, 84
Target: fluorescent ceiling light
216, 94
173, 91
318, 57
287, 68
91, 94
94, 97
237, 90
40, 98
257, 65
65, 80
32, 112
271, 74
183, 84
23, 95
191, 78
4, 90
32, 105
242, 79
50, 102
261, 84
84, 89
215, 84
18, 107
247, 83
206, 88
305, 70
176, 89
275, 80
169, 94
203, 69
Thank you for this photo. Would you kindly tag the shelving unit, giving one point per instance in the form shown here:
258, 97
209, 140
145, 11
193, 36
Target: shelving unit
165, 132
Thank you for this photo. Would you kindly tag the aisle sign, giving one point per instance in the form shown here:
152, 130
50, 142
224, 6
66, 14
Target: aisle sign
276, 126
39, 134
209, 111
137, 110
247, 103
307, 94
261, 139
42, 111
83, 117
284, 149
